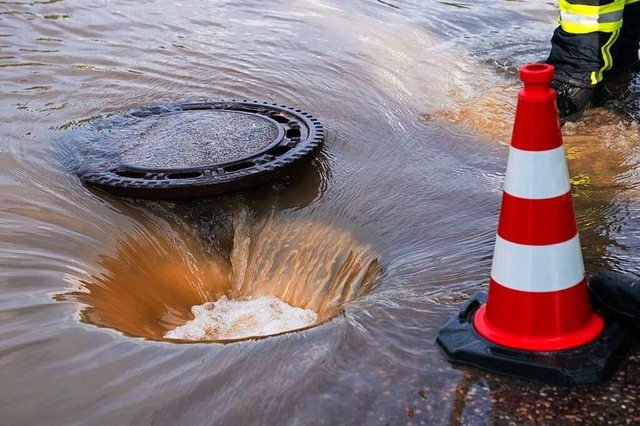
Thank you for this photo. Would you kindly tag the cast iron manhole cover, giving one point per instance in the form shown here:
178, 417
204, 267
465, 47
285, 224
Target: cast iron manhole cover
195, 149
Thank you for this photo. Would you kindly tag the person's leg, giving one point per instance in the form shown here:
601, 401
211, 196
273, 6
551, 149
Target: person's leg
625, 49
581, 51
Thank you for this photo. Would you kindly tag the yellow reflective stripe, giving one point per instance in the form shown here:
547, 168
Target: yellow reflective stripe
606, 27
631, 1
582, 19
596, 76
581, 9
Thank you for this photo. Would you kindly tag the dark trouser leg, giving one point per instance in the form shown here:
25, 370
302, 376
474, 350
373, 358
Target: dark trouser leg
625, 49
581, 46
577, 58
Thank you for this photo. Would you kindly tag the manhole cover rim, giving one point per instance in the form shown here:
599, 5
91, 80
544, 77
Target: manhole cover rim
209, 179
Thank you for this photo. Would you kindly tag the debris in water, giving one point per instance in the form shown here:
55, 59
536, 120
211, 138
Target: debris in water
237, 319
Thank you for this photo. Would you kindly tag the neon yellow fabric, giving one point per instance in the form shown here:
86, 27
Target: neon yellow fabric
596, 76
581, 9
583, 29
582, 19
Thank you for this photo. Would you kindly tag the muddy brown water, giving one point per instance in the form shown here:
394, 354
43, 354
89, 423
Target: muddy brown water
417, 99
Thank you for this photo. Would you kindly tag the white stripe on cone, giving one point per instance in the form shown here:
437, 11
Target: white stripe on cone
537, 269
537, 174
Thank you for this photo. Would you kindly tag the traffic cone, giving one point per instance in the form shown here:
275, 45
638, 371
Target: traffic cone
537, 323
538, 296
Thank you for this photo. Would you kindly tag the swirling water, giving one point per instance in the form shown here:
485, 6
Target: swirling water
417, 99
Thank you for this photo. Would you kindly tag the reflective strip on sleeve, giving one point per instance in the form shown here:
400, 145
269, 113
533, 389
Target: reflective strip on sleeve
582, 19
596, 77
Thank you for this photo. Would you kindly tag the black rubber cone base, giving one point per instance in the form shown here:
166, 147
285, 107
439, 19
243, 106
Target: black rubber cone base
591, 363
616, 296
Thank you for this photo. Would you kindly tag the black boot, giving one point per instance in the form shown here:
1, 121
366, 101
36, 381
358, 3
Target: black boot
574, 100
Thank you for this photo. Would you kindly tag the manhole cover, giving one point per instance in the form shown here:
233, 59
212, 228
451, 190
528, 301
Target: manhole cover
195, 149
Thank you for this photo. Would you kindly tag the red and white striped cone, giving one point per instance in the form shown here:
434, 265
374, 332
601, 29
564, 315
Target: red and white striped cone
538, 297
536, 322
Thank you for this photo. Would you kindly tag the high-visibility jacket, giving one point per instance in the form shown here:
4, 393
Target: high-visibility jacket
593, 37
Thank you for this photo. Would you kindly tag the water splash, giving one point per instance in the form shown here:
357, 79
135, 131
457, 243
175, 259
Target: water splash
240, 251
307, 264
238, 319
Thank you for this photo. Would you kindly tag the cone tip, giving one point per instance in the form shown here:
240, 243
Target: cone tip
536, 73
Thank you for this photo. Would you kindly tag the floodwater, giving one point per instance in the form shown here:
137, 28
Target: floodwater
385, 233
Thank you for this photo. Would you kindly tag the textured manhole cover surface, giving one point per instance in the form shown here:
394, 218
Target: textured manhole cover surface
197, 138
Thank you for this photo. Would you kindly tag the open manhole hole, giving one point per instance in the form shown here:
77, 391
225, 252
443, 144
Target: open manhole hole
149, 288
194, 149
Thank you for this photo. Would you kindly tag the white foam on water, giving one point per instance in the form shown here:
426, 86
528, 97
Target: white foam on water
237, 319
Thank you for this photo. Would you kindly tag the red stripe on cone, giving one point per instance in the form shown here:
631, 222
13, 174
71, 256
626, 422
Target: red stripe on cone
537, 222
538, 321
539, 128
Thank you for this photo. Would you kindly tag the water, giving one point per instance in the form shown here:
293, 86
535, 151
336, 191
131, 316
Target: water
417, 100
